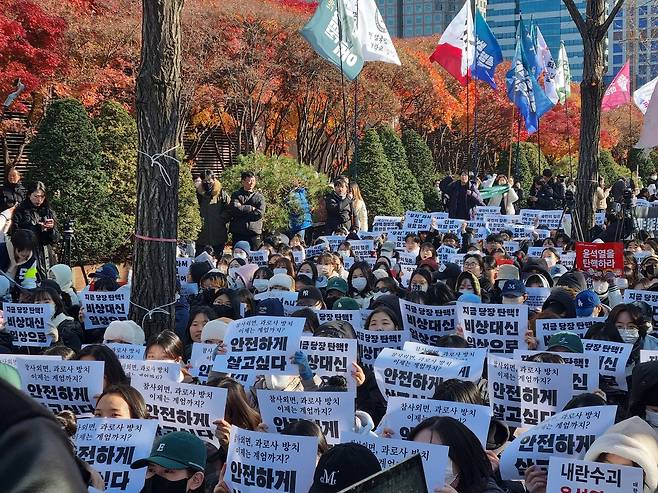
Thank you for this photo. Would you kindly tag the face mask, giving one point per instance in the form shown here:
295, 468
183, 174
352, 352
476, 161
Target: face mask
321, 282
629, 336
654, 177
378, 295
511, 301
359, 283
450, 475
261, 285
158, 484
280, 270
241, 255
600, 287
651, 417
419, 287
550, 262
223, 311
466, 291
344, 253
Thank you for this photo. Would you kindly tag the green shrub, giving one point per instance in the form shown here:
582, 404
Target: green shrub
528, 166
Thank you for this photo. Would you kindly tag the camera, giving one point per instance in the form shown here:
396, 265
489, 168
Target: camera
68, 229
627, 197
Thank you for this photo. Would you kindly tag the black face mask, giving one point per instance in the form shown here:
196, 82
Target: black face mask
208, 187
223, 311
158, 484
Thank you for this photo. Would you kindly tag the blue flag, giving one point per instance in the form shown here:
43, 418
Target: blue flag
524, 90
487, 52
530, 49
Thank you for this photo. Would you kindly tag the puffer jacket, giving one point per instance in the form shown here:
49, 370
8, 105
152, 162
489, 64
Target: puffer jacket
247, 211
215, 213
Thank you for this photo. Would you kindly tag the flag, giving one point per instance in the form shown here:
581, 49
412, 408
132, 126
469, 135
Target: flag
375, 41
649, 134
331, 34
456, 49
524, 90
529, 48
563, 75
487, 52
642, 96
547, 65
619, 91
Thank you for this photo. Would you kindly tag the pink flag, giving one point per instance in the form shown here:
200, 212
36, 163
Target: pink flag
456, 49
619, 91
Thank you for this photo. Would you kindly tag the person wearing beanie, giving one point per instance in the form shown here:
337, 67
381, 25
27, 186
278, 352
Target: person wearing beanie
213, 332
536, 281
63, 276
342, 466
574, 281
281, 282
124, 332
560, 302
537, 266
241, 250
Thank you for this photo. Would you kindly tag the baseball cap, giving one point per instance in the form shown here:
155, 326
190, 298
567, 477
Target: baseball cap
388, 246
337, 283
346, 303
176, 450
108, 270
557, 271
567, 340
342, 466
585, 303
513, 288
448, 270
508, 271
311, 294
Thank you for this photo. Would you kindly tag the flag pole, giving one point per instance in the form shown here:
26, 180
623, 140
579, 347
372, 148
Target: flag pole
509, 164
475, 108
342, 83
538, 147
468, 111
355, 160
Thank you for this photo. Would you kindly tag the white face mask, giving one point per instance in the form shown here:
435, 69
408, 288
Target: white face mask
279, 270
241, 255
261, 285
511, 301
653, 177
359, 283
651, 417
344, 253
621, 283
450, 475
629, 336
419, 287
600, 287
232, 271
466, 291
550, 261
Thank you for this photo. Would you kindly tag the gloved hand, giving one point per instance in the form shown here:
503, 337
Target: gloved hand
301, 360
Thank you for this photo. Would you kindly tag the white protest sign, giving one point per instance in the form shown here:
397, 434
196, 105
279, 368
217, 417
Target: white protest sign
511, 247
613, 357
183, 267
261, 345
551, 219
649, 297
333, 412
202, 360
28, 323
10, 359
524, 394
443, 254
287, 298
585, 368
398, 235
369, 235
315, 250
390, 452
153, 369
102, 307
417, 221
60, 385
542, 234
299, 256
409, 374
521, 232
528, 216
501, 328
474, 358
567, 475
329, 356
183, 406
486, 210
536, 297
362, 248
382, 224
371, 342
353, 317
407, 258
568, 434
127, 351
458, 259
425, 323
333, 240
568, 259
648, 355
547, 327
110, 445
263, 462
535, 251
258, 257
450, 225
404, 413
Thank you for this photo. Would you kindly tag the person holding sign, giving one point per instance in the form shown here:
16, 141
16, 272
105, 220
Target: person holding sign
64, 329
176, 464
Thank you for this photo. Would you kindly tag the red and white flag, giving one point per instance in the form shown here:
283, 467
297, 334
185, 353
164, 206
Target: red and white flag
619, 91
649, 134
456, 49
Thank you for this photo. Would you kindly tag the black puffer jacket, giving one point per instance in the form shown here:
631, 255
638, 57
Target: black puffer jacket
339, 213
247, 211
12, 194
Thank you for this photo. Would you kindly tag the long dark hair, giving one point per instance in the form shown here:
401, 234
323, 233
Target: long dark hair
238, 410
465, 450
198, 310
367, 273
306, 428
36, 186
170, 344
131, 396
53, 295
114, 373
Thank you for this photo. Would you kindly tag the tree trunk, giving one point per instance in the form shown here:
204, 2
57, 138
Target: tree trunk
159, 124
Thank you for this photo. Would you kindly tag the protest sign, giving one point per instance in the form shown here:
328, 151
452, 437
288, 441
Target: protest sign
496, 222
649, 297
536, 297
330, 356
535, 251
390, 451
457, 258
382, 224
29, 323
353, 317
408, 374
600, 257
287, 298
263, 462
404, 413
298, 256
522, 232
585, 368
486, 210
474, 358
315, 250
362, 248
371, 342
408, 475
261, 345
547, 327
425, 323
450, 225
574, 476
405, 274
568, 259
551, 219
333, 240
417, 221
152, 369
529, 216
407, 258
258, 257
522, 393
613, 357
333, 412
370, 235
102, 307
443, 254
62, 384
183, 406
201, 360
645, 355
542, 234
127, 351
10, 358
501, 328
110, 445
511, 247
182, 268
568, 434
397, 236
348, 262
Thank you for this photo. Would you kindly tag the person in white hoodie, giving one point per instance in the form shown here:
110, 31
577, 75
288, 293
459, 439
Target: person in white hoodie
63, 276
506, 200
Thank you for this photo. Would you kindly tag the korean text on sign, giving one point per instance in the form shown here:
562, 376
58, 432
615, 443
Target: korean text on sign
101, 307
28, 323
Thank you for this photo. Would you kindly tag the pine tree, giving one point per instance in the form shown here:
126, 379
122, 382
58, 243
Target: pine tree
375, 178
529, 164
421, 165
410, 194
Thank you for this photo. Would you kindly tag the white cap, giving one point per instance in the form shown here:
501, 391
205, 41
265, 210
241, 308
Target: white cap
126, 331
214, 330
283, 280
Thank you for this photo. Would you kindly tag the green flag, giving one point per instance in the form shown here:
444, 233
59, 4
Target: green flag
563, 75
327, 28
487, 193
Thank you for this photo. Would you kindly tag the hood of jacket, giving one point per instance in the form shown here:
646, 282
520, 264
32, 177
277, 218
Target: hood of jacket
63, 276
644, 387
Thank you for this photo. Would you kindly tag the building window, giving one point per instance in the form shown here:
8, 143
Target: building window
617, 48
618, 59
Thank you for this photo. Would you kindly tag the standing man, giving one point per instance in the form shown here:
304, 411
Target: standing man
339, 208
13, 193
247, 211
464, 197
215, 214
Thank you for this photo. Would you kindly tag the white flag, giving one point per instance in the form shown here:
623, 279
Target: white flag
548, 67
649, 134
370, 30
642, 95
563, 75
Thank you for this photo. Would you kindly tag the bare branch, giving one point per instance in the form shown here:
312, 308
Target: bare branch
575, 15
611, 17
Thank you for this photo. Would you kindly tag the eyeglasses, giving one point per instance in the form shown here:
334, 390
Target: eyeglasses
471, 264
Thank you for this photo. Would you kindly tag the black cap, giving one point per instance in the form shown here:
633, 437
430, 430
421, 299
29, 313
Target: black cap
342, 466
311, 293
448, 271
